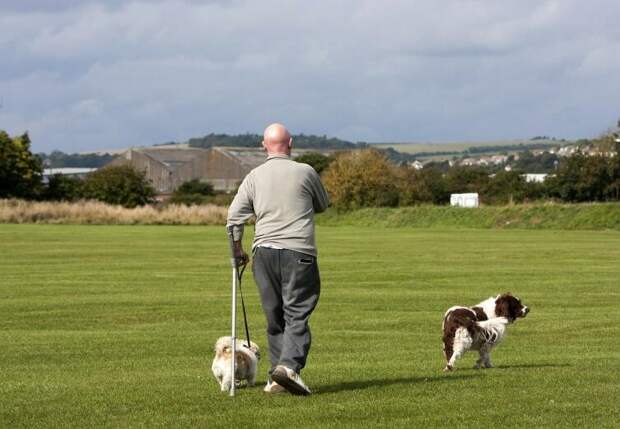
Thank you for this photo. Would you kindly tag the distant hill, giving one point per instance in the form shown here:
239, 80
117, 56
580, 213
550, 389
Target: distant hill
417, 147
450, 149
301, 141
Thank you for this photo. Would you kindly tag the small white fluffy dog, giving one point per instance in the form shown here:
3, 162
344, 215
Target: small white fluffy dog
245, 368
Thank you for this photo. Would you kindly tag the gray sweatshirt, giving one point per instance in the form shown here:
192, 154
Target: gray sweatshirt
284, 195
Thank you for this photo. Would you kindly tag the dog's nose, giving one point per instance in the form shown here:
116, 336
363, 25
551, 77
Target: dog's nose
525, 311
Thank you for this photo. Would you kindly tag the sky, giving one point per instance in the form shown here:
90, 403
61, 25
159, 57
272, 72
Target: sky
89, 75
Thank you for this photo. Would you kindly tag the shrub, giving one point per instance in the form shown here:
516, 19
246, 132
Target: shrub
318, 161
463, 179
505, 187
192, 192
363, 178
121, 185
423, 186
583, 178
195, 186
62, 188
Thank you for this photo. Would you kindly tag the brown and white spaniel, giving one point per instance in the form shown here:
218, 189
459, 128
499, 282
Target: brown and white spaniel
480, 328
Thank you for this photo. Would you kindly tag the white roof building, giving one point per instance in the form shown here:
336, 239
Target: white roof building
66, 171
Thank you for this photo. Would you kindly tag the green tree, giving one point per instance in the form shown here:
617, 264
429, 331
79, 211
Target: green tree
362, 178
463, 179
192, 192
62, 188
613, 189
505, 187
582, 178
20, 170
118, 185
316, 160
423, 186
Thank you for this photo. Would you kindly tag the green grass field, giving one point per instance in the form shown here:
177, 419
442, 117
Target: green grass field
114, 326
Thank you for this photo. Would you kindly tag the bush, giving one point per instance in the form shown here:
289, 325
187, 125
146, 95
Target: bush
362, 178
506, 187
316, 160
195, 186
118, 185
584, 178
423, 186
62, 188
464, 179
192, 192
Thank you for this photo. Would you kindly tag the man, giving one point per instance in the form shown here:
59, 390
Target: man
284, 196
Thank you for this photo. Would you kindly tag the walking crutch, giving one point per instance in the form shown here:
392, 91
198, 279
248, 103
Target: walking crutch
233, 335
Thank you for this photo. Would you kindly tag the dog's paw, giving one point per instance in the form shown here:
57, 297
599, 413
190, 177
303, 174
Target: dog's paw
448, 368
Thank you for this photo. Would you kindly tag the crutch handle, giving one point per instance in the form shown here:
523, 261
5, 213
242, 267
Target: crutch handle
235, 261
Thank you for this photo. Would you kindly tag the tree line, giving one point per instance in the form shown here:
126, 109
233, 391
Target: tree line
354, 179
302, 141
59, 159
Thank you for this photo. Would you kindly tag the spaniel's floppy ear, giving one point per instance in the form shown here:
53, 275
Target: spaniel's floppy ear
502, 307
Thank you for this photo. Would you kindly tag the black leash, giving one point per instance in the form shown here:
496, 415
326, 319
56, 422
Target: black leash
235, 264
245, 316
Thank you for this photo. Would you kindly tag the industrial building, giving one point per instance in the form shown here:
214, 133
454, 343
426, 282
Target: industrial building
167, 167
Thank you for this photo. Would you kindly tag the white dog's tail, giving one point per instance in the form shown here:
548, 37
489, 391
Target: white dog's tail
492, 330
223, 345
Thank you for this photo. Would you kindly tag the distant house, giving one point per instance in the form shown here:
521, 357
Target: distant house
469, 161
417, 165
567, 150
499, 159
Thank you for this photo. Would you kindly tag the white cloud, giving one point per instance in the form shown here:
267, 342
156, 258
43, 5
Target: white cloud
83, 75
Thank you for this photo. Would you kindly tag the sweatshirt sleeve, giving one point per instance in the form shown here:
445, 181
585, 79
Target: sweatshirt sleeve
320, 200
242, 208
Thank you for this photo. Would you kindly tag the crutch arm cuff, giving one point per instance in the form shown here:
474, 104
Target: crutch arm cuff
235, 232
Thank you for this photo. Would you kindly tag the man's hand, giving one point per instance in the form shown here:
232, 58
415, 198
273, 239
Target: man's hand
241, 258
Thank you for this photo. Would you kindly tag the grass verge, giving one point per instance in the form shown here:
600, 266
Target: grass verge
523, 216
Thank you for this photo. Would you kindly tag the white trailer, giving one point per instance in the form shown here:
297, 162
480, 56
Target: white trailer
464, 200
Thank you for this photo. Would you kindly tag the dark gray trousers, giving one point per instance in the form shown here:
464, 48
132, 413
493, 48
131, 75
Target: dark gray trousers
289, 287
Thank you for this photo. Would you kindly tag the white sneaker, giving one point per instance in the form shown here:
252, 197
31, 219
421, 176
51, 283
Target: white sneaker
273, 387
290, 380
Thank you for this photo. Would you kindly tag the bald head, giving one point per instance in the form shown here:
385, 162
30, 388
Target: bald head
277, 140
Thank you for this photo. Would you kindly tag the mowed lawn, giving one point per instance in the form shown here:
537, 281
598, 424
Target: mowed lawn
115, 325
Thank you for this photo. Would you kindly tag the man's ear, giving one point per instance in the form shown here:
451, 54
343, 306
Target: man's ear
263, 143
290, 142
